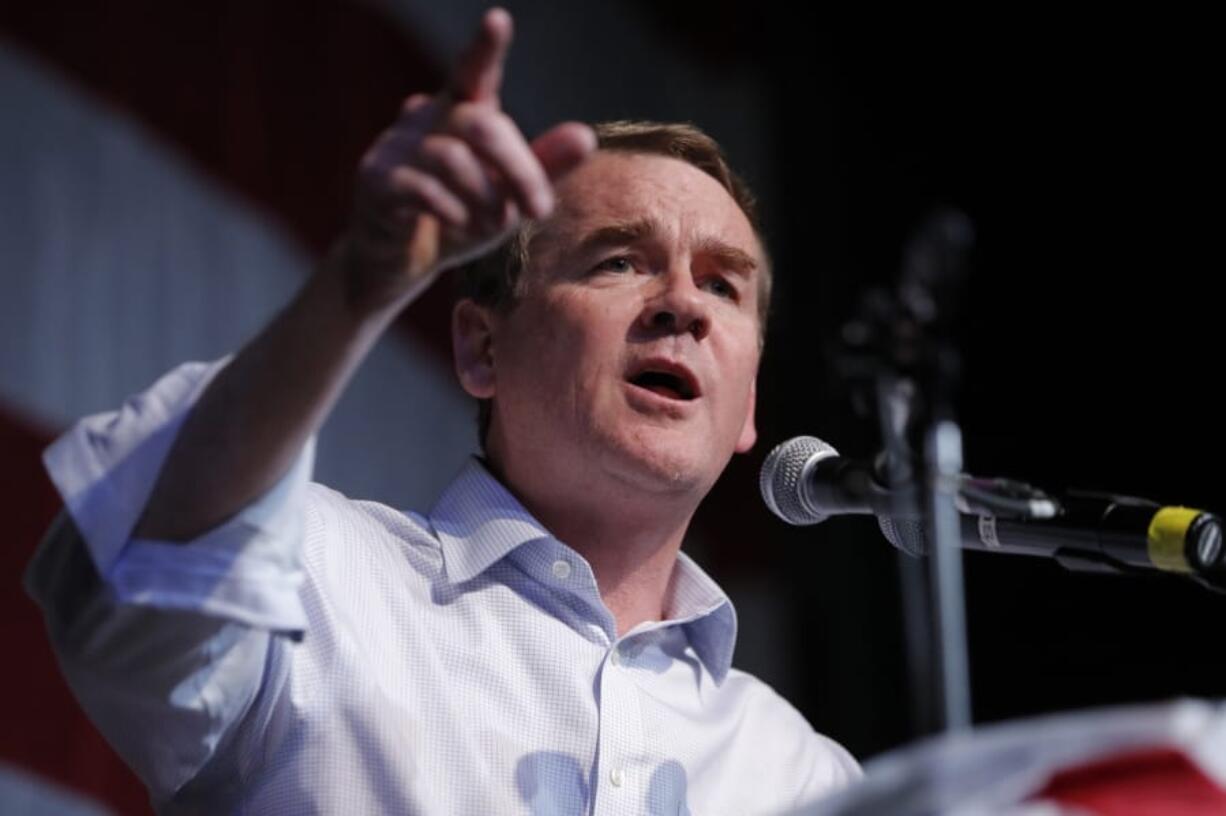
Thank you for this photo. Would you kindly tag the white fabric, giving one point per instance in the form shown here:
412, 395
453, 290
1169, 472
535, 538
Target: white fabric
996, 769
453, 663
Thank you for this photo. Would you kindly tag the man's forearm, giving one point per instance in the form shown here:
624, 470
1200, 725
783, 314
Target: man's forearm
449, 180
253, 419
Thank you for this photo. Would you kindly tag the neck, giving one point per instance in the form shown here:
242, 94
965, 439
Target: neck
630, 539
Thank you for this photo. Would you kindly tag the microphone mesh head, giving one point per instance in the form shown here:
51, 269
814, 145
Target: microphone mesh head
782, 478
907, 534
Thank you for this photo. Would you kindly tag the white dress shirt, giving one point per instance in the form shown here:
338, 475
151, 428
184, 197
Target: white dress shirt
317, 654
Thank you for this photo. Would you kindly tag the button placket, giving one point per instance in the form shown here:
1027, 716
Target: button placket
621, 742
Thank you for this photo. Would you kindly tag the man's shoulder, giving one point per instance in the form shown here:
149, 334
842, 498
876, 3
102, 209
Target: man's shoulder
771, 708
338, 526
773, 721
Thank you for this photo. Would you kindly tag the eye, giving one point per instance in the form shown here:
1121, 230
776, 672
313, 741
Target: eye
618, 263
721, 287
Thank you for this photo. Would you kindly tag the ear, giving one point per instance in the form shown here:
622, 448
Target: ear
749, 434
472, 348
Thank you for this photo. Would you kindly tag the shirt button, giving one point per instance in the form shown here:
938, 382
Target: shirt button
616, 657
561, 570
617, 776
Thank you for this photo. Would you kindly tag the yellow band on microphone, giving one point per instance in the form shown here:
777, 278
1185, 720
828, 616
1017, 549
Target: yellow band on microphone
1168, 533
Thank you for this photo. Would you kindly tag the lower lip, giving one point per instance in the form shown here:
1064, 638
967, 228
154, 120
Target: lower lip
649, 400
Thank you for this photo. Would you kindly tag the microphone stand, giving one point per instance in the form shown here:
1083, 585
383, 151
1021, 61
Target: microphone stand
900, 348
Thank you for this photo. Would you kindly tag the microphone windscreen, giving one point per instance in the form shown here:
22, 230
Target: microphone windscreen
781, 479
907, 534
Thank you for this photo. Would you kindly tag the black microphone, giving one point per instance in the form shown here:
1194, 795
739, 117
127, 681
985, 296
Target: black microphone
805, 481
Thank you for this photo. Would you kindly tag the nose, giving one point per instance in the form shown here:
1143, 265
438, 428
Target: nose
676, 306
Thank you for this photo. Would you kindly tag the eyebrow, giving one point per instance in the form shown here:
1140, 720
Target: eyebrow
630, 232
736, 260
626, 233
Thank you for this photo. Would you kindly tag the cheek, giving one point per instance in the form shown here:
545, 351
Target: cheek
557, 358
740, 370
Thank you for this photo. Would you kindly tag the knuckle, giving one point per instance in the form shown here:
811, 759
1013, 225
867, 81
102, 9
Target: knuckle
413, 104
444, 150
482, 127
429, 189
415, 183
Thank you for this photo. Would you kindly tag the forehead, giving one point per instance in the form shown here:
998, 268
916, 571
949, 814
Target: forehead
616, 187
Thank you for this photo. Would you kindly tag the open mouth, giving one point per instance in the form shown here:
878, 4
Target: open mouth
670, 381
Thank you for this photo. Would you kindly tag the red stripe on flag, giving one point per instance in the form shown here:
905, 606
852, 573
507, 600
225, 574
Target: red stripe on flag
45, 731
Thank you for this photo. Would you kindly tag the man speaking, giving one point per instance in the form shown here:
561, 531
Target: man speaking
536, 643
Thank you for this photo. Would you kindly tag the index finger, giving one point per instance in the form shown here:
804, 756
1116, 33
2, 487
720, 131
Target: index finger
478, 74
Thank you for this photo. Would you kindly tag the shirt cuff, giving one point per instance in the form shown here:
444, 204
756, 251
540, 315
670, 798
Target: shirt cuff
247, 569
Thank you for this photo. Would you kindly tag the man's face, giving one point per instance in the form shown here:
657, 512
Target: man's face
632, 350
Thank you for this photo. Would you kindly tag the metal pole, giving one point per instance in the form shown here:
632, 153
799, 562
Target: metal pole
943, 455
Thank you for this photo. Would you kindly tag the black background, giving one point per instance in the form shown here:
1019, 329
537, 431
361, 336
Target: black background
1084, 153
1084, 149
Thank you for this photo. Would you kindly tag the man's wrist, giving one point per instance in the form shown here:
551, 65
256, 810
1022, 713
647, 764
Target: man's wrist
374, 284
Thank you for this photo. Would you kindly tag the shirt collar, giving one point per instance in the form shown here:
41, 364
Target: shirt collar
478, 522
698, 603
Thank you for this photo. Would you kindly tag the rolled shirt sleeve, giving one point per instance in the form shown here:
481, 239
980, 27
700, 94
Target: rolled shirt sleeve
165, 644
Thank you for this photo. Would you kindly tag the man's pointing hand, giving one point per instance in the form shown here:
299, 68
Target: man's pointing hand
452, 177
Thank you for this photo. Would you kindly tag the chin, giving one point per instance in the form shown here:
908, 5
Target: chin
663, 461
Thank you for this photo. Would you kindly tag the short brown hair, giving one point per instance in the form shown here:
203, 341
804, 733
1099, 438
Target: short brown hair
493, 280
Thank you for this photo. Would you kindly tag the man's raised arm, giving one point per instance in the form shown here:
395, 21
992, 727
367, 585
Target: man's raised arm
444, 184
168, 648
